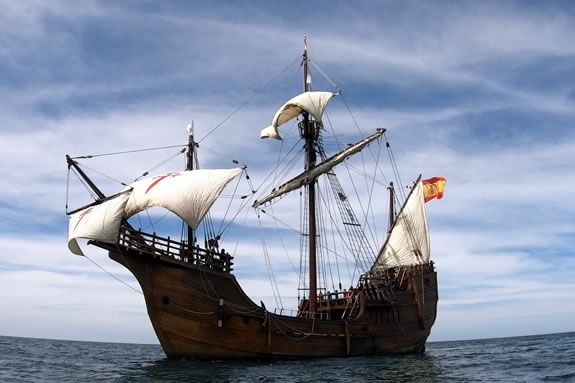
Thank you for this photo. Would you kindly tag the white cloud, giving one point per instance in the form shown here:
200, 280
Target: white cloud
501, 234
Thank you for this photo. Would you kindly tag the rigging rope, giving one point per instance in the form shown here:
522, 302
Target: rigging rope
304, 237
272, 216
248, 199
152, 223
264, 211
329, 208
229, 205
324, 258
102, 174
127, 152
369, 147
285, 250
89, 189
249, 99
67, 188
363, 211
394, 166
278, 179
113, 276
348, 245
150, 219
370, 196
271, 274
324, 75
179, 152
372, 178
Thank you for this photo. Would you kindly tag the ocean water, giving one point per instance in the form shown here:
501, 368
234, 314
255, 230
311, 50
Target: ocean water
541, 358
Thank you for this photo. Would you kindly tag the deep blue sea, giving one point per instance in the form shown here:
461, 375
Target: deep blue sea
541, 358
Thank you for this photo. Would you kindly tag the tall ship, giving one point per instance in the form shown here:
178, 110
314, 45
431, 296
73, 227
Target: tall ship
196, 305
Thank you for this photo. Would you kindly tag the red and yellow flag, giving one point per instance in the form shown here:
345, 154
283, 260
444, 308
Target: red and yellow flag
433, 188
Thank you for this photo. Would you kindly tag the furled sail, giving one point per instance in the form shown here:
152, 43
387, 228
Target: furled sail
313, 103
188, 194
408, 242
310, 175
100, 222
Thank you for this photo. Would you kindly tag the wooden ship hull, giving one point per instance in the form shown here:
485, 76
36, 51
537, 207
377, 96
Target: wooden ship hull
199, 311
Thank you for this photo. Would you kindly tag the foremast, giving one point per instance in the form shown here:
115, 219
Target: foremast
191, 160
309, 131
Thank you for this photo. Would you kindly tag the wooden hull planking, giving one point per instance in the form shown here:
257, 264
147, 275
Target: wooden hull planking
204, 314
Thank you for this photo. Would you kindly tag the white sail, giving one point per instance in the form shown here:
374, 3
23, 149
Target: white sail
309, 176
408, 242
312, 102
188, 194
100, 222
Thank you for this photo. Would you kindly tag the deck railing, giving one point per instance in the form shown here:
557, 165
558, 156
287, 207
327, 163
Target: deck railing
152, 244
384, 285
302, 314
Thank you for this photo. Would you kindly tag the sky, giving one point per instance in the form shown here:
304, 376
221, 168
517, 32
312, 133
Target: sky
482, 93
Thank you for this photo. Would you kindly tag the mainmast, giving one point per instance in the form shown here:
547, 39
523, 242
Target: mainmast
309, 131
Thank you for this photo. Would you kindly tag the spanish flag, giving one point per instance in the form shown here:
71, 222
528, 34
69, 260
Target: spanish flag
433, 188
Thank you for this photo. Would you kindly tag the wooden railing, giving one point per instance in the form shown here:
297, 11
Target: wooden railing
302, 314
152, 244
381, 286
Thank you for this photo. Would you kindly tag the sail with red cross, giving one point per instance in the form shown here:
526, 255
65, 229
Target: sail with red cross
189, 194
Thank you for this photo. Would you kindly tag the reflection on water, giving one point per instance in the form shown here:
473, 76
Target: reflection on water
421, 367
